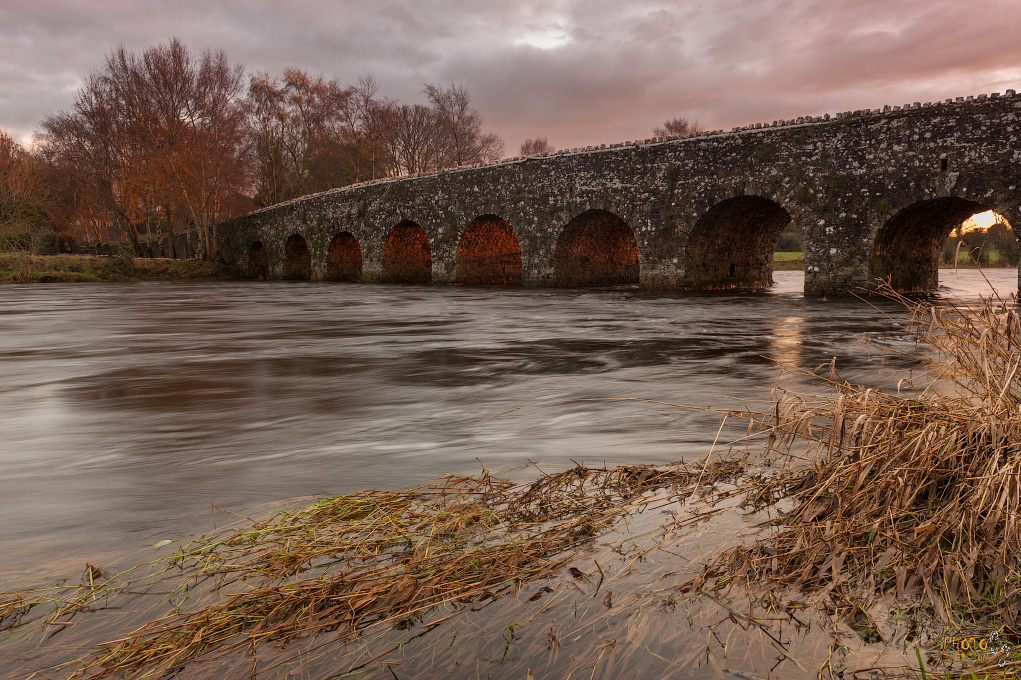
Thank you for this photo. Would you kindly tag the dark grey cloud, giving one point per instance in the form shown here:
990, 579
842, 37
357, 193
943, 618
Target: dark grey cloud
579, 72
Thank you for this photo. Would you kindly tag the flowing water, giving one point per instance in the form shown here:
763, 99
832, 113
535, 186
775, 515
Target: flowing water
126, 410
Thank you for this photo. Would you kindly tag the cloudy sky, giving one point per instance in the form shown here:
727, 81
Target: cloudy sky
579, 72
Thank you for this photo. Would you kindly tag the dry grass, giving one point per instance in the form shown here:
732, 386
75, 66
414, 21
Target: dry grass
347, 567
912, 496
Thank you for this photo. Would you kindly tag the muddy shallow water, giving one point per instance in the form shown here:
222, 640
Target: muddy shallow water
127, 409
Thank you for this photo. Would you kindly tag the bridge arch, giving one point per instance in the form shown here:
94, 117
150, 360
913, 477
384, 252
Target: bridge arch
406, 255
488, 253
258, 261
907, 246
344, 258
297, 265
596, 248
731, 245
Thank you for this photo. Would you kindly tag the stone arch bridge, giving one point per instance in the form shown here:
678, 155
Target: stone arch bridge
875, 192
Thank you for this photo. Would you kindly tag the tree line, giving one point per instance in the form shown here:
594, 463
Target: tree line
168, 141
993, 245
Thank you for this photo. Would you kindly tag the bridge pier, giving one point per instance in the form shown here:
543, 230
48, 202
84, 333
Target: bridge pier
836, 255
662, 276
536, 273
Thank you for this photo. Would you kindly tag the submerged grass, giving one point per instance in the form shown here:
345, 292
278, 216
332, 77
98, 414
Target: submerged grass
346, 567
894, 521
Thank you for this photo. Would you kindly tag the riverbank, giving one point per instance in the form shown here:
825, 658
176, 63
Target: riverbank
26, 268
788, 262
795, 262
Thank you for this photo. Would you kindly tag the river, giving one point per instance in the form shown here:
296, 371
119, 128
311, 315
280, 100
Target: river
126, 410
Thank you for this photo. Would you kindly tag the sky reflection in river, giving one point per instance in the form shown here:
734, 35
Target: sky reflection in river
126, 409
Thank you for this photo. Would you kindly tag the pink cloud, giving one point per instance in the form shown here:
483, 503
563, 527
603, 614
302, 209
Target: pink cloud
609, 72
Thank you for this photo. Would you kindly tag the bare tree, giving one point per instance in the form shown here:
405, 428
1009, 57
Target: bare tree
364, 138
459, 127
536, 146
411, 138
677, 127
301, 134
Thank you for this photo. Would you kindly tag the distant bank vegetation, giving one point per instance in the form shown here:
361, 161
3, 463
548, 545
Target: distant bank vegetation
991, 246
28, 268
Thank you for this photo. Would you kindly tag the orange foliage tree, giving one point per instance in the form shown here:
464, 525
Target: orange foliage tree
166, 142
156, 140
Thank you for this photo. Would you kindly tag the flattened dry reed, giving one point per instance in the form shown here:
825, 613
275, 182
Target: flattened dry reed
914, 493
13, 609
347, 567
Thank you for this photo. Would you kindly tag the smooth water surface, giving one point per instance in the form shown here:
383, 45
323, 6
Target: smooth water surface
127, 409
